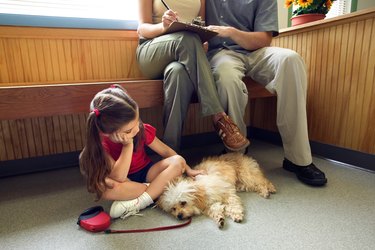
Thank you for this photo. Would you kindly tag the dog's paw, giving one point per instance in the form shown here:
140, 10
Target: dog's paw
220, 223
267, 189
241, 187
264, 193
238, 220
271, 188
236, 217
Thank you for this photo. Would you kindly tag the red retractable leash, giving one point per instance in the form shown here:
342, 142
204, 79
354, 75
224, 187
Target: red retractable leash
95, 219
112, 231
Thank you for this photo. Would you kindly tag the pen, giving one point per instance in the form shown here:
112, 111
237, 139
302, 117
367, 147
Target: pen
166, 5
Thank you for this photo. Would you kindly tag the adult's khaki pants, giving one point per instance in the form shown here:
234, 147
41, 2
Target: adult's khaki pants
179, 59
283, 72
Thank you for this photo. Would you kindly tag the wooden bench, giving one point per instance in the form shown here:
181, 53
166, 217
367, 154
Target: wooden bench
19, 102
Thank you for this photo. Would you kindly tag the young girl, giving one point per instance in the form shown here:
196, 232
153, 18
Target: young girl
114, 160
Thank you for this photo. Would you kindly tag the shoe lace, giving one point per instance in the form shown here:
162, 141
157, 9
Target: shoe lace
128, 213
230, 125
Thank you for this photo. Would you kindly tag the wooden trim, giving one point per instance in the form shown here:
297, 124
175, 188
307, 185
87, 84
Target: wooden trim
51, 100
70, 159
65, 33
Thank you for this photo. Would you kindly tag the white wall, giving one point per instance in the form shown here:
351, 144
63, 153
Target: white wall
363, 4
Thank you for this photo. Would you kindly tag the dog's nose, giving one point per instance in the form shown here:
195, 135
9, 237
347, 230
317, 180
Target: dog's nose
180, 216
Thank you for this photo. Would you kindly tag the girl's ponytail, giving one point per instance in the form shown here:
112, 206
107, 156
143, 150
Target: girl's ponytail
93, 162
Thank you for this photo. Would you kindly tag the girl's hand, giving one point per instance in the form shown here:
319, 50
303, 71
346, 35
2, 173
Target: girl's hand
121, 138
115, 137
192, 172
169, 17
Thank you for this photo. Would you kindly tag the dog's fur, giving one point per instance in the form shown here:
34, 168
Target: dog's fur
214, 194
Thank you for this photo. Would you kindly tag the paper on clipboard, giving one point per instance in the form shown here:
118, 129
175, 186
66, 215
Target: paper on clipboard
204, 33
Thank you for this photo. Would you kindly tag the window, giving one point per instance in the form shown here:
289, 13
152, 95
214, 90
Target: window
67, 12
339, 7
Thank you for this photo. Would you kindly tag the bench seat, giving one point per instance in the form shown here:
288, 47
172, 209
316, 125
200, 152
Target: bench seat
20, 102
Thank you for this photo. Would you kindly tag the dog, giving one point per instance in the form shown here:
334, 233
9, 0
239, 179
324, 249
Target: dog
214, 193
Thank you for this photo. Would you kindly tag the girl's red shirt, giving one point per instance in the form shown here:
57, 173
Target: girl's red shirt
139, 159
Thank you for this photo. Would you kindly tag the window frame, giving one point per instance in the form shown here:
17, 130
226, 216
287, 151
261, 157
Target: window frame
66, 22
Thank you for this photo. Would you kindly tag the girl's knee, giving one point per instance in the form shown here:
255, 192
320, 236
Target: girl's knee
177, 160
177, 164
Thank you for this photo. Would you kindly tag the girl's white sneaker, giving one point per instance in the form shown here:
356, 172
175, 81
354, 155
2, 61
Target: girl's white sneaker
124, 209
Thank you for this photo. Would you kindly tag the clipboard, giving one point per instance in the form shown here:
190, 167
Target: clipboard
204, 33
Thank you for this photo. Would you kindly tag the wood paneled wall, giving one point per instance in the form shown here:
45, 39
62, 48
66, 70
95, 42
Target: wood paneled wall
339, 55
340, 59
45, 55
37, 56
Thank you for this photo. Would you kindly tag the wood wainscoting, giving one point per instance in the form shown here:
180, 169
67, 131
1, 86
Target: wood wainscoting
32, 56
340, 58
339, 54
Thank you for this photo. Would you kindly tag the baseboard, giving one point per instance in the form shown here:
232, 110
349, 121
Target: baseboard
38, 164
343, 155
50, 162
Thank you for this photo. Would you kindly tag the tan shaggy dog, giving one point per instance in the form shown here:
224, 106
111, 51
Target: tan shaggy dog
214, 194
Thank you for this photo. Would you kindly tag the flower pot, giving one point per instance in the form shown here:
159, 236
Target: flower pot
306, 18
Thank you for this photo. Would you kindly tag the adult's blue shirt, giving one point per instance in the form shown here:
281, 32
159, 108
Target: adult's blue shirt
245, 15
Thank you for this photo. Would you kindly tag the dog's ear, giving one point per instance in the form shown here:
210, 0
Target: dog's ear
174, 181
200, 198
165, 200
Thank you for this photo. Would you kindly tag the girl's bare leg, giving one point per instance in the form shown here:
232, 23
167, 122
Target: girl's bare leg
158, 176
124, 190
162, 172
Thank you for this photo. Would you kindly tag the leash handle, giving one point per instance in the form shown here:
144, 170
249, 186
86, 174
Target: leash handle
113, 231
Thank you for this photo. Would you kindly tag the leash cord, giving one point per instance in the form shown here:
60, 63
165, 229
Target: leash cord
114, 231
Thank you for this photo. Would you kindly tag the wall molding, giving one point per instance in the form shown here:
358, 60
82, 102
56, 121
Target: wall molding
64, 160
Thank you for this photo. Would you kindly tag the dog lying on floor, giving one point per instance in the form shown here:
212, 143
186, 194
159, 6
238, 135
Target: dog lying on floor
214, 194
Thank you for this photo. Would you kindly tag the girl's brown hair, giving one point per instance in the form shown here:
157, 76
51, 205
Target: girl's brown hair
111, 109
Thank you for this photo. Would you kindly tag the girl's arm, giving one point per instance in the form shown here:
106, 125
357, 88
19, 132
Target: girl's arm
161, 148
164, 151
120, 168
146, 28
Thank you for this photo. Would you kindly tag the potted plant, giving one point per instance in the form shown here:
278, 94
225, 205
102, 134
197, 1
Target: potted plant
308, 10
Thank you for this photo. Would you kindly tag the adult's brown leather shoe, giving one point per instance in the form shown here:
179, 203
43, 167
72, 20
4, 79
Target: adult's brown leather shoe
230, 134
